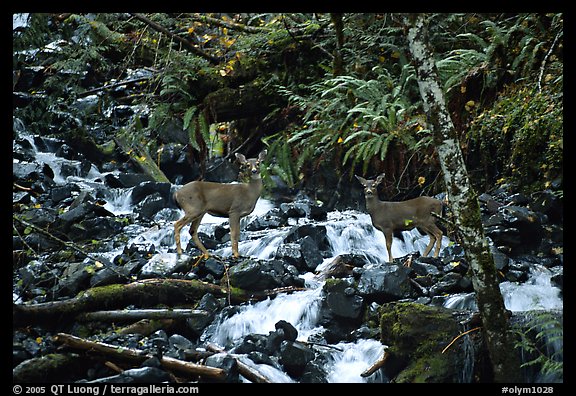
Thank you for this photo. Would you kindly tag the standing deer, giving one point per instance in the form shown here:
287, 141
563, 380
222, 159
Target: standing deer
232, 200
391, 216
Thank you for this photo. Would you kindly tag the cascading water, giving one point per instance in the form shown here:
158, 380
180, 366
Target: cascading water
347, 232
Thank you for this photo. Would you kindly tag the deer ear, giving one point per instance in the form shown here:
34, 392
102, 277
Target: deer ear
380, 178
240, 158
361, 180
262, 155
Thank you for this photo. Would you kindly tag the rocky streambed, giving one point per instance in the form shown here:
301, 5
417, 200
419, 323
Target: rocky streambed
312, 298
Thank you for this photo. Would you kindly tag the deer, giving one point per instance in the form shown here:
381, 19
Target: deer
232, 200
402, 216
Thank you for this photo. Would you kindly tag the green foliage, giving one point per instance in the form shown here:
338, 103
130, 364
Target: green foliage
522, 123
541, 341
350, 118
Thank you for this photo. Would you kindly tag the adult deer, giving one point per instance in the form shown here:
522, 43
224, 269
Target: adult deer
232, 200
400, 216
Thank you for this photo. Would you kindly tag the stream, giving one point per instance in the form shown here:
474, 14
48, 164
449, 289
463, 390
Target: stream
347, 232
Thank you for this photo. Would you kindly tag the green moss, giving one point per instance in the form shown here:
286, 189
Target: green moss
416, 335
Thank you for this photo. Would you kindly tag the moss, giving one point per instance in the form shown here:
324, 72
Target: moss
416, 335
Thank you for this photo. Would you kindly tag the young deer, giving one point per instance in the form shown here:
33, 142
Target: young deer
391, 216
232, 200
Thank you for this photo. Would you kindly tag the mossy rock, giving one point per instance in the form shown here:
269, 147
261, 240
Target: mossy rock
416, 335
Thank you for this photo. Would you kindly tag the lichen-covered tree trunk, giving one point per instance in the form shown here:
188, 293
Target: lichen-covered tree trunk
464, 203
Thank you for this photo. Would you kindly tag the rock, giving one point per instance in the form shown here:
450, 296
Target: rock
126, 180
342, 266
294, 356
145, 189
225, 362
290, 332
147, 375
76, 277
316, 232
549, 203
248, 275
452, 282
272, 219
311, 256
342, 300
291, 254
417, 335
162, 265
149, 206
384, 282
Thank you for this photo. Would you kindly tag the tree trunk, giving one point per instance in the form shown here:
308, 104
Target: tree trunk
464, 203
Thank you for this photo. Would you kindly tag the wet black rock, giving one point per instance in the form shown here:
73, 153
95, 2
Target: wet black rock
227, 363
252, 275
384, 282
342, 300
294, 356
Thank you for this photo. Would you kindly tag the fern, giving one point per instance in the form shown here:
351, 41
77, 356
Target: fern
541, 342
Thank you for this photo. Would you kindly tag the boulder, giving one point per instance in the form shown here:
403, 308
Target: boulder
384, 282
417, 336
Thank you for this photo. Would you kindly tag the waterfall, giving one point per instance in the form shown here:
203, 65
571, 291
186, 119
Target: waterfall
536, 293
346, 363
300, 309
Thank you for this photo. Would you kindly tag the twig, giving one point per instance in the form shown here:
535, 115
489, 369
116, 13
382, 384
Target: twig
187, 44
378, 364
110, 86
458, 336
321, 345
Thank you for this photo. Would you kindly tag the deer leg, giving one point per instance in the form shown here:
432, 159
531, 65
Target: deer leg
432, 236
430, 244
177, 228
389, 236
438, 234
194, 234
234, 233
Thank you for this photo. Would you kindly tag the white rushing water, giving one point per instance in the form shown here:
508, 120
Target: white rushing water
537, 293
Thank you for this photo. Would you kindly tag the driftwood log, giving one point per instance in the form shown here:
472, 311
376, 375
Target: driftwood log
138, 356
149, 292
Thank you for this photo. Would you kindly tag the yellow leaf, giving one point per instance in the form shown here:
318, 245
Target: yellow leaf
395, 55
463, 88
421, 180
340, 140
39, 340
98, 264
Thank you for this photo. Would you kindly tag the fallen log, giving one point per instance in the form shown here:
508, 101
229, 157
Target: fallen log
139, 356
138, 314
148, 292
140, 156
